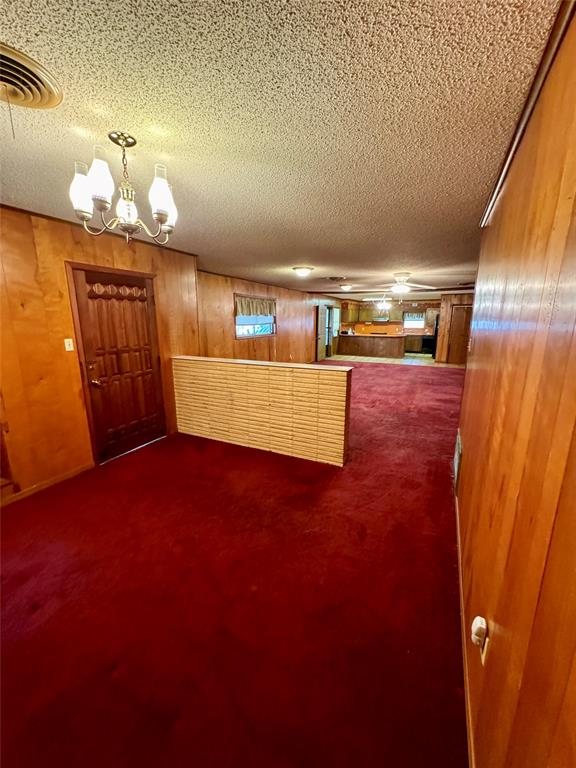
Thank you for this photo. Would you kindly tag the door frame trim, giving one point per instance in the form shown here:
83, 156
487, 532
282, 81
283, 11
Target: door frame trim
76, 266
104, 268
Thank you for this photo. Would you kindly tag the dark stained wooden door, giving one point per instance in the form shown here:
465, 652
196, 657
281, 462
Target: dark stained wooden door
120, 360
459, 333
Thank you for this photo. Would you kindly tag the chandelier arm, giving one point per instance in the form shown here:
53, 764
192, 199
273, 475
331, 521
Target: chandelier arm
93, 230
162, 242
151, 234
107, 226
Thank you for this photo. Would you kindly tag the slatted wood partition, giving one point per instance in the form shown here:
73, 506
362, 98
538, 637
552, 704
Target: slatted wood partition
298, 410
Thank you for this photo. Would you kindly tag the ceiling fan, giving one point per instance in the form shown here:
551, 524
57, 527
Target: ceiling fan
403, 284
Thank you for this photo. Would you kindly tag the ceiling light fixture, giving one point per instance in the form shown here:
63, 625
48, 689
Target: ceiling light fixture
95, 189
346, 287
400, 288
382, 304
303, 271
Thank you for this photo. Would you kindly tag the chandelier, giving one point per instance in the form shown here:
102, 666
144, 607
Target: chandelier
94, 189
382, 304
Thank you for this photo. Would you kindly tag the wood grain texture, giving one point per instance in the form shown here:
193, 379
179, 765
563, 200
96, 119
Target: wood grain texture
48, 435
296, 321
516, 489
459, 335
448, 301
120, 357
372, 346
295, 410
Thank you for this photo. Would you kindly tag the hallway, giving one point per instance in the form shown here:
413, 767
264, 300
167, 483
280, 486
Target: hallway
200, 603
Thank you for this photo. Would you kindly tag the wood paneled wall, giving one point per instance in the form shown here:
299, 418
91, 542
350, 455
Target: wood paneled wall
46, 429
296, 321
298, 410
448, 301
517, 485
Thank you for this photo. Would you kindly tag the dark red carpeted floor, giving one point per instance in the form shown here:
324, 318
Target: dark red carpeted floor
201, 604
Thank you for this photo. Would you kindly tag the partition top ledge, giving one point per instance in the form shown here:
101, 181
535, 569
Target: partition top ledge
267, 363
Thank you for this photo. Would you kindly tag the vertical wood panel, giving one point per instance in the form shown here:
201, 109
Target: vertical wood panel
48, 434
516, 488
296, 321
563, 752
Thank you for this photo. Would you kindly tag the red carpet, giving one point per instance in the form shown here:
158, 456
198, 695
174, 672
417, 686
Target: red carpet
204, 605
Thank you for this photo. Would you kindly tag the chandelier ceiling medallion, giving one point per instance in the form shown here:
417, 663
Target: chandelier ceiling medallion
94, 189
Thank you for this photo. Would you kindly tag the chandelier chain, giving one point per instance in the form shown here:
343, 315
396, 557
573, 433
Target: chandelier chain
124, 163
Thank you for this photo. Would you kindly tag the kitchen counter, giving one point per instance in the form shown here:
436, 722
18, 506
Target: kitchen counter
372, 345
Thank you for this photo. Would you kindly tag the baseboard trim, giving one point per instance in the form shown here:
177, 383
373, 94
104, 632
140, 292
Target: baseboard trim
45, 484
464, 628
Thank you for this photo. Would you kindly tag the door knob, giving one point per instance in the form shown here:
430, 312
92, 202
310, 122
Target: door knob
479, 631
96, 383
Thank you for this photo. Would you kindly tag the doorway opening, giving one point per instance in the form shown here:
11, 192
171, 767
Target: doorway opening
327, 327
115, 324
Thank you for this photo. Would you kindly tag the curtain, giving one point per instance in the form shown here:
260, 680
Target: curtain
254, 305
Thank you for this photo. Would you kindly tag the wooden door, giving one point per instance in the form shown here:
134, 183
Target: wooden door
459, 333
118, 348
321, 332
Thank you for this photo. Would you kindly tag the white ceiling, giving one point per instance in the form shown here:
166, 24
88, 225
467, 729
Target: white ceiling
358, 137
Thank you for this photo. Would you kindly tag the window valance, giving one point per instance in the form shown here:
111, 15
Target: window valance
254, 305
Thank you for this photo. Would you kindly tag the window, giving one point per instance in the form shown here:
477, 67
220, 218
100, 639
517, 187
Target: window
414, 320
254, 316
255, 325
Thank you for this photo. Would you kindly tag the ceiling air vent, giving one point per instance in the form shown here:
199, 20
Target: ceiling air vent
25, 83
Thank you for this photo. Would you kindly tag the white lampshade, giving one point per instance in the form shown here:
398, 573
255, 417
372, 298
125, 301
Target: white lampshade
346, 287
160, 196
80, 193
100, 180
303, 271
400, 288
126, 211
172, 211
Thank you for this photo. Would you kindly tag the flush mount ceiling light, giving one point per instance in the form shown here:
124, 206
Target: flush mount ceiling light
346, 287
303, 271
94, 189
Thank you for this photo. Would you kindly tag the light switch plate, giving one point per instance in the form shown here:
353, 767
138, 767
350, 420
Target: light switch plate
69, 345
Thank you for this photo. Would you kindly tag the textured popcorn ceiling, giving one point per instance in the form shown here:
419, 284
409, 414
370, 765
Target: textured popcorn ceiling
356, 136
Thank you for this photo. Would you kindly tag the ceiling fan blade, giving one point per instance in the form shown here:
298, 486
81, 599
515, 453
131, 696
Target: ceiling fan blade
446, 288
418, 285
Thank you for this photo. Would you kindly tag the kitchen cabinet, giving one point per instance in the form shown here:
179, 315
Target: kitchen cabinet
413, 344
350, 313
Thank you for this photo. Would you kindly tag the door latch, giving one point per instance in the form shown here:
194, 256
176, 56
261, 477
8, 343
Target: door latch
479, 631
479, 636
